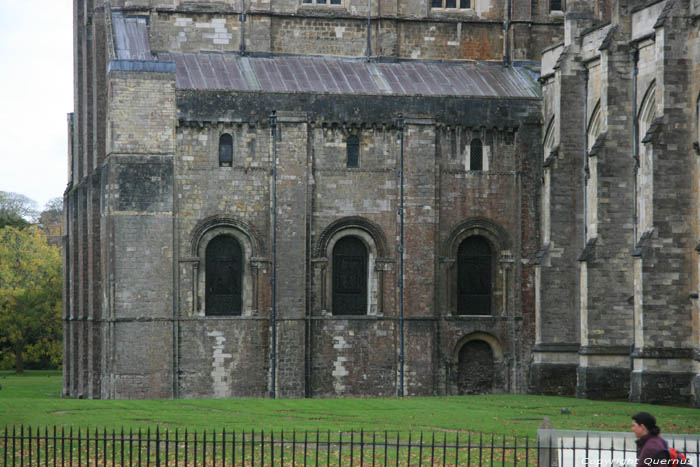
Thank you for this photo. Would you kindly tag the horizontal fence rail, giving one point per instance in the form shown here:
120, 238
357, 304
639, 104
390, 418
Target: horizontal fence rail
28, 446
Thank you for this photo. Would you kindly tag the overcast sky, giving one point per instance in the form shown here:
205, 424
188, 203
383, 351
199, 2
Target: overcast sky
36, 93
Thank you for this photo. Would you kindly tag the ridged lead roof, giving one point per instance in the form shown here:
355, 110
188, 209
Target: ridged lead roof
328, 75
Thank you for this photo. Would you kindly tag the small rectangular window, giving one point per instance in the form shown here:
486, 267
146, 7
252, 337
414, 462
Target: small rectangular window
353, 151
555, 5
225, 150
451, 4
322, 2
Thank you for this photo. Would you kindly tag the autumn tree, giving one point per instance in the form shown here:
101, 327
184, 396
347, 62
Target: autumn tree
30, 298
51, 218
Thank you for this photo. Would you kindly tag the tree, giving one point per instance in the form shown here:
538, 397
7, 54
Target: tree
30, 298
51, 218
15, 204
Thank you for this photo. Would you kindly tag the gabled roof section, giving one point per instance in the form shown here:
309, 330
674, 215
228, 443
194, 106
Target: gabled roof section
332, 75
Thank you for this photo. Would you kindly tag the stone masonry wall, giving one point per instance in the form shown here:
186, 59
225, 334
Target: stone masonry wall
138, 206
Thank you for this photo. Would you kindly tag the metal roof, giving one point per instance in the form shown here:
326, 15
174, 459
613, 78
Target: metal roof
326, 75
333, 75
131, 37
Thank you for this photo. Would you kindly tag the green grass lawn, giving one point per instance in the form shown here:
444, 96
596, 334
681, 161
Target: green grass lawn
34, 399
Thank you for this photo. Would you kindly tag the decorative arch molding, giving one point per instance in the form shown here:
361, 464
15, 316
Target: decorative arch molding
217, 222
502, 277
372, 236
492, 341
353, 222
253, 259
494, 233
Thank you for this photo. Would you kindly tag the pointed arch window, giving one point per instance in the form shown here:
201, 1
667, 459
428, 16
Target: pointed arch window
224, 276
474, 276
353, 151
225, 150
645, 178
350, 277
476, 155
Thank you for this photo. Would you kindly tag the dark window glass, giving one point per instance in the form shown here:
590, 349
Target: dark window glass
225, 150
451, 4
464, 4
224, 276
697, 120
335, 2
555, 5
436, 3
476, 155
349, 277
474, 277
353, 149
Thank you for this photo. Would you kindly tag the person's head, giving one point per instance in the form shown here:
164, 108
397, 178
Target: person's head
644, 423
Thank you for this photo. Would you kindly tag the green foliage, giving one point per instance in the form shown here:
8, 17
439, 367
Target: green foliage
30, 299
17, 205
12, 220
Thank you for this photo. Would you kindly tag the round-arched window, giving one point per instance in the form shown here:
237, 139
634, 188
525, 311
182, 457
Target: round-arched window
474, 259
349, 277
224, 276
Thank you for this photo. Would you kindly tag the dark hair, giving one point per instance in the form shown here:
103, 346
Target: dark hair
648, 420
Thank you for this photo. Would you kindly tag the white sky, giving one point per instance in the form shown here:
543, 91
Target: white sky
36, 93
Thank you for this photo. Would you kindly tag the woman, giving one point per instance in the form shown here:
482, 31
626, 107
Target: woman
652, 449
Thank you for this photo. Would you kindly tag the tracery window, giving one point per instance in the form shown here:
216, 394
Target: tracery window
451, 4
224, 276
474, 270
476, 155
349, 277
225, 150
353, 151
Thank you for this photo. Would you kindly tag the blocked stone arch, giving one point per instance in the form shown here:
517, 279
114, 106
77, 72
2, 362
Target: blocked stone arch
500, 244
374, 240
477, 364
253, 256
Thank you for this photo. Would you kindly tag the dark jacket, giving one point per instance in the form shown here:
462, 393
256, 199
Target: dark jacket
651, 449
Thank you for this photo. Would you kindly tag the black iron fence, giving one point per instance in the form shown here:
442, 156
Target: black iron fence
22, 446
28, 446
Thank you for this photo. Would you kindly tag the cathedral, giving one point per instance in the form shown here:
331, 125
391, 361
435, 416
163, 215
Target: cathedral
348, 198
